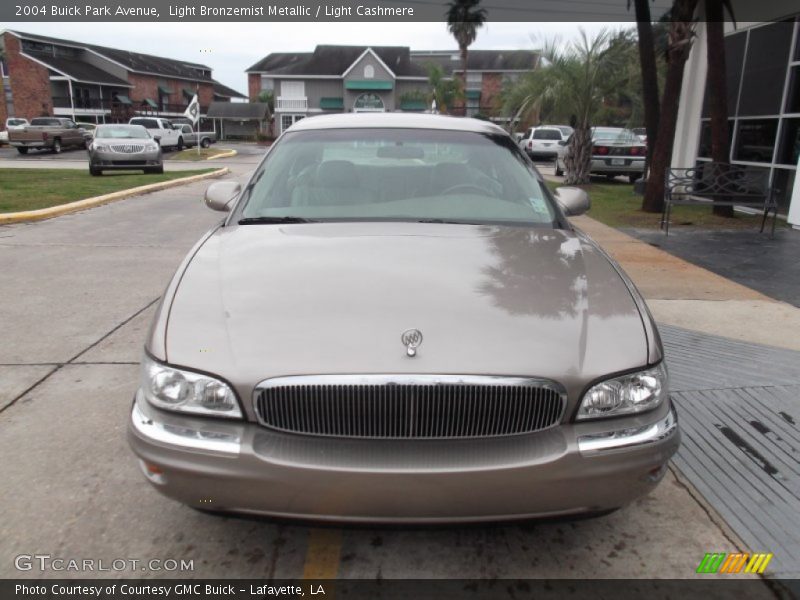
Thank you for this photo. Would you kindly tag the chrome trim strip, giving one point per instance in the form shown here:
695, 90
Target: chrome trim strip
390, 379
185, 437
627, 438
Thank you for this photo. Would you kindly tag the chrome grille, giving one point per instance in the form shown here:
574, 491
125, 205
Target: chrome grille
408, 406
127, 148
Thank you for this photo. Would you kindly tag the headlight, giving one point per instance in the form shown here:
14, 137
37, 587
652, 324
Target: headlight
625, 395
151, 146
96, 146
183, 391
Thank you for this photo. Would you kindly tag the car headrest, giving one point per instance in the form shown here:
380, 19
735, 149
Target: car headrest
337, 173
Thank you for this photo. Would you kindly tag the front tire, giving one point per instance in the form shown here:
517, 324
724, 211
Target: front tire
633, 178
22, 150
56, 146
205, 142
559, 172
156, 170
94, 171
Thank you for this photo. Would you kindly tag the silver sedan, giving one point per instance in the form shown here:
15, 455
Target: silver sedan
124, 147
396, 321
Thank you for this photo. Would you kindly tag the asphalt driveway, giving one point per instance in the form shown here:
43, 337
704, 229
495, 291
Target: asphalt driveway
77, 294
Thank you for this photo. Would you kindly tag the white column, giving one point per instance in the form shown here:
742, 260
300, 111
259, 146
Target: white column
794, 202
71, 101
690, 109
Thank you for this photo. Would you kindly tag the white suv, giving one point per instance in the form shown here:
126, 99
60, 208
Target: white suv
544, 142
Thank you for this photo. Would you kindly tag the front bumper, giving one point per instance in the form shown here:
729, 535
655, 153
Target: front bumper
104, 159
243, 467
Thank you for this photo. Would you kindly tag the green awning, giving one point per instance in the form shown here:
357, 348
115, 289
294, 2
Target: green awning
368, 84
189, 92
150, 103
123, 99
413, 105
164, 90
331, 103
473, 94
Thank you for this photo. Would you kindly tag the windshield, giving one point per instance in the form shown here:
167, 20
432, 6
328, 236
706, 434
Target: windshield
13, 122
121, 132
547, 134
397, 174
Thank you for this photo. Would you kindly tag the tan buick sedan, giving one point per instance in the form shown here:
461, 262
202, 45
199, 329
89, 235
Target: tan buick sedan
396, 322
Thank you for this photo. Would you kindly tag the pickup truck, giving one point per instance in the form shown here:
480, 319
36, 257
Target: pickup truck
190, 136
52, 133
162, 130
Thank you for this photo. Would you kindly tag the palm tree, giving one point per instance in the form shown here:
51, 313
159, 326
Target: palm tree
464, 18
649, 68
445, 91
573, 82
717, 88
681, 34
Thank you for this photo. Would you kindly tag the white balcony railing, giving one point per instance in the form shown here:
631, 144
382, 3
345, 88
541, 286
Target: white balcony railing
297, 103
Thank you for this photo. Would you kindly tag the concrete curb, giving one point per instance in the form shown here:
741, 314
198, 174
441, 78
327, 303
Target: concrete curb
63, 209
227, 154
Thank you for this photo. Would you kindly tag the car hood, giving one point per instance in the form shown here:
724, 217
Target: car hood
261, 301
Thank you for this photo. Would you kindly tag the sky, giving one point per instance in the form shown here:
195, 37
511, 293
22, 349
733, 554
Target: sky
230, 48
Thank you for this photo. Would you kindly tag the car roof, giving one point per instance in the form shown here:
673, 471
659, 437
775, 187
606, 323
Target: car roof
369, 120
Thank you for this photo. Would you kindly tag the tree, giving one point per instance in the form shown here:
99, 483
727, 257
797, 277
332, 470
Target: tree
572, 82
445, 91
681, 34
464, 18
649, 69
717, 89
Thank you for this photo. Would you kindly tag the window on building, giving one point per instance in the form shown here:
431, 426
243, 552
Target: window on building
3, 68
793, 97
267, 84
704, 150
734, 59
289, 120
783, 184
789, 145
765, 69
369, 72
293, 89
755, 140
474, 80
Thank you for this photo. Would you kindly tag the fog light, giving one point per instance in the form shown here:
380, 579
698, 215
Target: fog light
153, 473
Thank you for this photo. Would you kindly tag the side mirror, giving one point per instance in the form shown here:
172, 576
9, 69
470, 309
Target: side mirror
573, 201
157, 138
220, 195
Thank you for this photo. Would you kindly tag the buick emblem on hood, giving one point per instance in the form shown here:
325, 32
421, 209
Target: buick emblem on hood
411, 338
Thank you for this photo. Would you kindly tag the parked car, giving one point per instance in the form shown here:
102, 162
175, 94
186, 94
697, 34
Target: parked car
88, 131
566, 130
53, 133
395, 321
11, 124
124, 147
190, 136
615, 151
170, 135
544, 142
641, 133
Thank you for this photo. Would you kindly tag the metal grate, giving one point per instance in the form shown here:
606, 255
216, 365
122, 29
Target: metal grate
404, 407
128, 148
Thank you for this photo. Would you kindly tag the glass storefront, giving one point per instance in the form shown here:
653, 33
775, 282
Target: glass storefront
763, 79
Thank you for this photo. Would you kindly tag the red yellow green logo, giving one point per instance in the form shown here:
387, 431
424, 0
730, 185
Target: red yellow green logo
736, 562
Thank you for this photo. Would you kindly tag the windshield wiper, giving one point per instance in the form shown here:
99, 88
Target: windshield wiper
274, 220
446, 222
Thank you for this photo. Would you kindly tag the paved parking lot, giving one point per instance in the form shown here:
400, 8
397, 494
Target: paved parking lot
77, 295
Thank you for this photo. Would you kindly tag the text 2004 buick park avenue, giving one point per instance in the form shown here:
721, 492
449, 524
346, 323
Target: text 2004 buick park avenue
396, 322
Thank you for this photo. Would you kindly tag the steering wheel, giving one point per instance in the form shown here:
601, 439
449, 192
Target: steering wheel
465, 186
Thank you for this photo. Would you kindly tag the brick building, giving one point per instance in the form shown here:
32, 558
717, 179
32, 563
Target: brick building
379, 78
47, 76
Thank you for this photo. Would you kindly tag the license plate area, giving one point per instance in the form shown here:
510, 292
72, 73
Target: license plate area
618, 162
